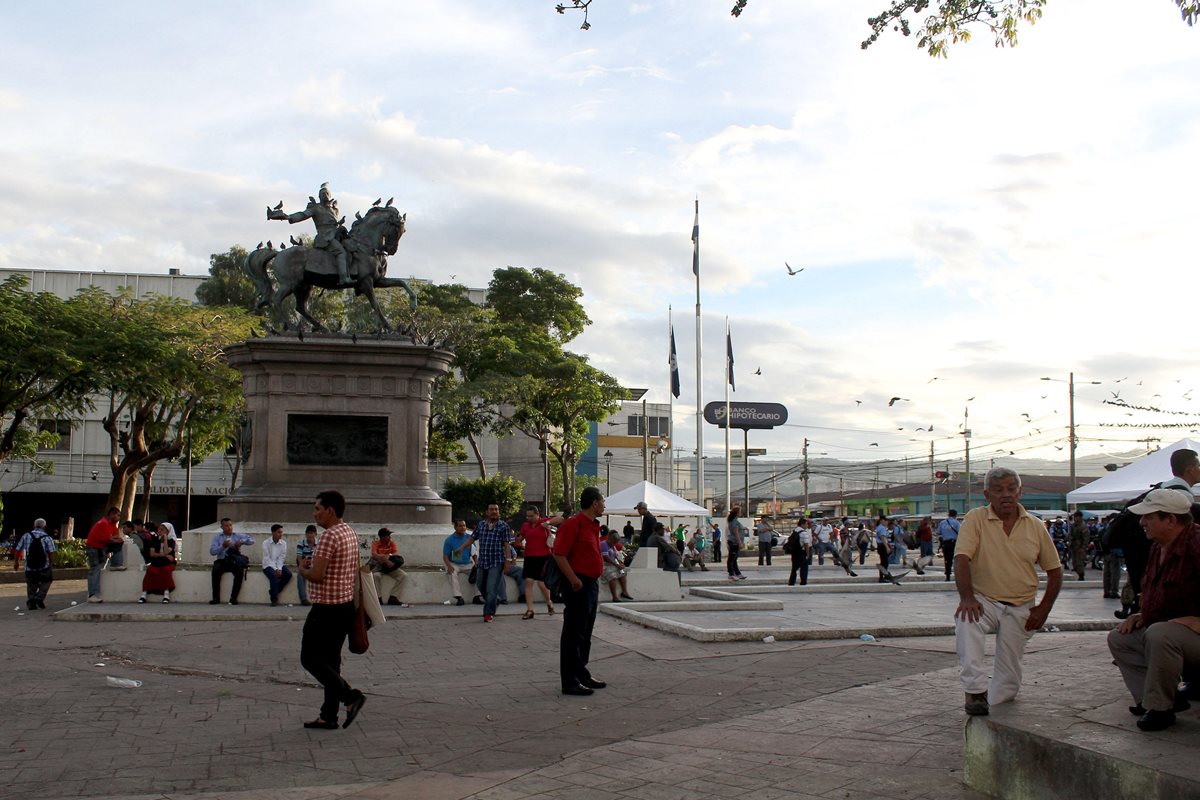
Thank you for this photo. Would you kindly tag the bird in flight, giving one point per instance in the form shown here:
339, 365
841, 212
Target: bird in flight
873, 444
1026, 416
758, 371
969, 399
858, 402
894, 400
792, 271
931, 380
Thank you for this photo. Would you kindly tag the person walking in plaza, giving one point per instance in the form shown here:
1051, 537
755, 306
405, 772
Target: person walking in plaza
577, 555
103, 542
227, 548
161, 555
925, 543
495, 550
274, 563
947, 532
330, 575
38, 549
883, 546
735, 532
1157, 646
999, 548
766, 540
534, 534
798, 544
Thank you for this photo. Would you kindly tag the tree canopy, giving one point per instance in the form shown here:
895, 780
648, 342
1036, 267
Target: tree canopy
949, 21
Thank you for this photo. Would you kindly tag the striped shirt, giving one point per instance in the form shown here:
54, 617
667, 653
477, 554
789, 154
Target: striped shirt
339, 545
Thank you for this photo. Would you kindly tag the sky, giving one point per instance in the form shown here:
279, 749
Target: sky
966, 226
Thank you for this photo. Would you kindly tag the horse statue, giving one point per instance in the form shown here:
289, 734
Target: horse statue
371, 239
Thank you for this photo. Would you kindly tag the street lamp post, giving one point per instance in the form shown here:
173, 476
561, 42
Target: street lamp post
608, 457
1071, 417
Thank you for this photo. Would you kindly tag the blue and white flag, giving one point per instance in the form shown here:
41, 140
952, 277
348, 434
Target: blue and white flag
729, 359
674, 366
696, 241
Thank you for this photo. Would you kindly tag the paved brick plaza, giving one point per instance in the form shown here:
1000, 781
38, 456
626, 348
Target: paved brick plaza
459, 709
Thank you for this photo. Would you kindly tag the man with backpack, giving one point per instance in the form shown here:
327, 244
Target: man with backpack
39, 549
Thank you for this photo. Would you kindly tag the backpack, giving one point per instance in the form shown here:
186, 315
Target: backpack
35, 557
788, 547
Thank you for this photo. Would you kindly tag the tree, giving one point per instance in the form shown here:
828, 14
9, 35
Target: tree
470, 498
52, 357
948, 24
170, 386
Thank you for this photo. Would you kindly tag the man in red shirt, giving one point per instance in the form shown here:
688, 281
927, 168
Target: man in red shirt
330, 577
577, 554
103, 540
534, 534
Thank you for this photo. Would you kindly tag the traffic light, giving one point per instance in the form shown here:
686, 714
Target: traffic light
941, 476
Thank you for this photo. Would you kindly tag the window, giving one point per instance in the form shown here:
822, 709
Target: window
659, 426
60, 426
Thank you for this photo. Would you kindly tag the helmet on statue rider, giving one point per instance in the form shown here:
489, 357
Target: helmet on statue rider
325, 196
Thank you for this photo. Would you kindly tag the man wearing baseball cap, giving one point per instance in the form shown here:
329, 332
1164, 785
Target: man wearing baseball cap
648, 523
1156, 646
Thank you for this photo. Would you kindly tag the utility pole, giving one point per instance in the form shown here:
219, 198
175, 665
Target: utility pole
967, 458
774, 493
746, 465
645, 442
932, 483
804, 474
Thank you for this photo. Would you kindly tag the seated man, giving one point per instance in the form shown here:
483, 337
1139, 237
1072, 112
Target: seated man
614, 566
304, 552
385, 564
227, 547
458, 560
1156, 646
693, 556
669, 558
274, 560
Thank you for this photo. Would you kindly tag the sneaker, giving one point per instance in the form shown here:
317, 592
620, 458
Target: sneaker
477, 600
214, 602
977, 704
41, 604
488, 617
393, 601
117, 569
458, 601
95, 599
141, 599
166, 600
447, 602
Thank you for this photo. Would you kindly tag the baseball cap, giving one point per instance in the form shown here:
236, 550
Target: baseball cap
385, 532
641, 504
1170, 501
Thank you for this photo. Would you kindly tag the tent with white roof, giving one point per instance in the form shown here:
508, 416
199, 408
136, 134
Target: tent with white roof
660, 502
1132, 479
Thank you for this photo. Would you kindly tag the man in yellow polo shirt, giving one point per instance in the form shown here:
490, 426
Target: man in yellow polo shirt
999, 547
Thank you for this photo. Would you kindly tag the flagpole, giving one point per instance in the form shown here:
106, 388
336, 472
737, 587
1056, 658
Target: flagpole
671, 399
699, 372
728, 380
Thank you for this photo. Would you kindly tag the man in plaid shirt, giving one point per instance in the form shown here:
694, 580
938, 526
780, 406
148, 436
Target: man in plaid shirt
495, 551
330, 576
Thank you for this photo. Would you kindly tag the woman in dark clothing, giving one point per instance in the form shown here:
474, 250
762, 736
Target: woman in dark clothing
734, 532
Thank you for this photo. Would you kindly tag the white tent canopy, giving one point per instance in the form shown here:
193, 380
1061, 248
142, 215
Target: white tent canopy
1133, 479
660, 502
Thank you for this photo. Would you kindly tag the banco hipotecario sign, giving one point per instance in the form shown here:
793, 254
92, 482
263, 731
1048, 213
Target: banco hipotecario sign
746, 415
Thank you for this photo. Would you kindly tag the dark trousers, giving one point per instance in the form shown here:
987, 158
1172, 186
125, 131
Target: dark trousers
948, 554
731, 565
799, 563
37, 585
575, 644
276, 580
764, 551
862, 553
716, 551
220, 567
325, 631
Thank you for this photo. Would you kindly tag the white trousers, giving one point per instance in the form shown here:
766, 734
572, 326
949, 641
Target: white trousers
1008, 623
452, 576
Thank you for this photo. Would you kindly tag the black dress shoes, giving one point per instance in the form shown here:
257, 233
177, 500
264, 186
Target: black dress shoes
1156, 720
577, 689
592, 683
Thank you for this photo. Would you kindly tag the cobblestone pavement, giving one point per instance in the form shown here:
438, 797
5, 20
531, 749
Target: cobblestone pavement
459, 709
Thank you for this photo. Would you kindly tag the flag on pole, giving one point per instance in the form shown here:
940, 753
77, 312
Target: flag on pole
674, 365
729, 359
696, 241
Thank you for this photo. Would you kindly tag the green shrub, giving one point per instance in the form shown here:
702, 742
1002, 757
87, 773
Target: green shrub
470, 498
70, 553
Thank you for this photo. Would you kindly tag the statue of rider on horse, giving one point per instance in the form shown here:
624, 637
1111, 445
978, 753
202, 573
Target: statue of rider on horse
338, 259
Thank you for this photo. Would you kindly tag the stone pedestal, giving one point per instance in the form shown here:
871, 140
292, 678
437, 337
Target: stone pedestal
332, 413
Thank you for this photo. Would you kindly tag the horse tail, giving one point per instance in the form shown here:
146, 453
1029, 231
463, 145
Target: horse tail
256, 268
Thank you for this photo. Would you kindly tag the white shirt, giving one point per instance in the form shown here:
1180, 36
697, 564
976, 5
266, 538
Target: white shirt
803, 535
823, 533
274, 554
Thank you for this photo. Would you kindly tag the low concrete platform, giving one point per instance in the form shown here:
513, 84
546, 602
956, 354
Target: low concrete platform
1070, 734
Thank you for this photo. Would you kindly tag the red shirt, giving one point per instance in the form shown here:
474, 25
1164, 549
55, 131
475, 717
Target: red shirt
339, 545
535, 535
579, 540
1169, 587
101, 534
